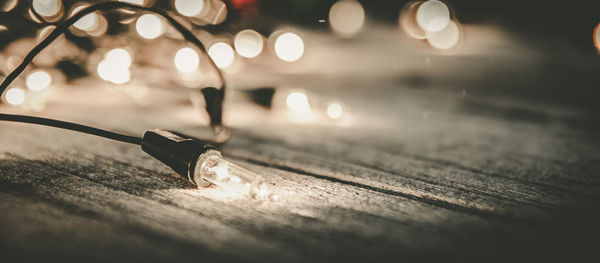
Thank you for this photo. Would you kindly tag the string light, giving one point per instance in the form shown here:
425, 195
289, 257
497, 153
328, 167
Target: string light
597, 37
433, 16
297, 103
38, 80
447, 38
15, 96
346, 17
115, 66
86, 23
248, 43
149, 26
335, 111
9, 5
222, 54
213, 168
289, 47
46, 8
189, 7
186, 60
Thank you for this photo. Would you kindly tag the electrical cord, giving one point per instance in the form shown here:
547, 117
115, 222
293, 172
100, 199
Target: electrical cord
61, 29
71, 126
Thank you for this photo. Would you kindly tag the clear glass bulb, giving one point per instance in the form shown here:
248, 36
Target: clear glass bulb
213, 168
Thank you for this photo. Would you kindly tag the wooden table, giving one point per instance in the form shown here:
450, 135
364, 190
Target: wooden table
434, 170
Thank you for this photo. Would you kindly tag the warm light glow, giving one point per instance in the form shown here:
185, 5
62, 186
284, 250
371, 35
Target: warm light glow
115, 66
213, 168
248, 43
346, 17
119, 57
149, 26
87, 22
8, 5
297, 103
433, 16
38, 80
46, 7
186, 60
289, 47
222, 54
15, 96
189, 7
597, 37
335, 111
135, 2
408, 20
116, 75
445, 39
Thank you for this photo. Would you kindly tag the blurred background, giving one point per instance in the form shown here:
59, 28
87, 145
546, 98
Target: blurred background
307, 62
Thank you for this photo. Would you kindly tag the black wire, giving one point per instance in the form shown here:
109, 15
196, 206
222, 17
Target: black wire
71, 126
62, 28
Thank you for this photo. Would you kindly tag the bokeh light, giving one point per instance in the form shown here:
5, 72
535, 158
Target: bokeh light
335, 111
115, 66
222, 54
186, 60
447, 38
46, 8
433, 16
149, 26
15, 96
408, 20
189, 7
38, 80
297, 103
87, 22
346, 17
7, 6
289, 47
597, 37
248, 43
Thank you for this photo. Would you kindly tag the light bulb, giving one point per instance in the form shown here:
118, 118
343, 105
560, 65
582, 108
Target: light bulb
213, 168
346, 17
189, 7
203, 165
149, 26
15, 96
46, 7
433, 16
248, 43
222, 54
186, 60
38, 80
289, 47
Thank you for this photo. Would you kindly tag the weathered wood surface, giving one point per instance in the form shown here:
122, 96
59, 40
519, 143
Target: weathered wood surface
425, 173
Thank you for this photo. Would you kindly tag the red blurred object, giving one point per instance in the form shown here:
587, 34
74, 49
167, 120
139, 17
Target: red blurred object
239, 4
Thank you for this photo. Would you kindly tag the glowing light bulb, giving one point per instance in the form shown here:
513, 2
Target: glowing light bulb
87, 22
46, 7
433, 16
289, 47
297, 103
446, 38
248, 43
222, 54
115, 66
335, 111
119, 57
213, 168
149, 26
597, 37
15, 96
346, 17
186, 60
38, 80
189, 7
117, 75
